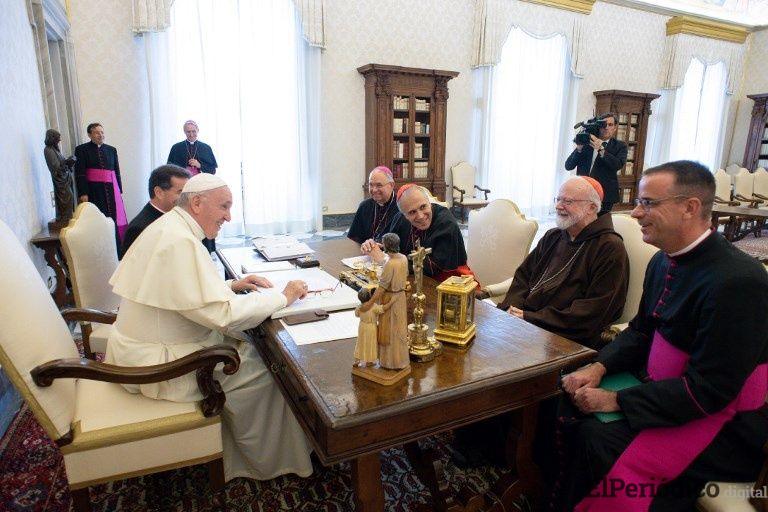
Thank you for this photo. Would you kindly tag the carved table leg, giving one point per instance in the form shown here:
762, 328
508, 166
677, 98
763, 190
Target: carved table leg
366, 482
60, 293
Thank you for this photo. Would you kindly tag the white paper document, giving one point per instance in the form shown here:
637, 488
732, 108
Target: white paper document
338, 326
356, 261
284, 247
330, 294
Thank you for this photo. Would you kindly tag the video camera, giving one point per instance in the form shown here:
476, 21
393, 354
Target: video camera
588, 127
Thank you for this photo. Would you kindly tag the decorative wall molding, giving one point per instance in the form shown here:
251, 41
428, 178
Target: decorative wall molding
580, 6
707, 28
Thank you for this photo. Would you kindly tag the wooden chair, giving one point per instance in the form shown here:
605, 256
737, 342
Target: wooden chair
104, 432
732, 169
733, 496
499, 239
89, 247
465, 190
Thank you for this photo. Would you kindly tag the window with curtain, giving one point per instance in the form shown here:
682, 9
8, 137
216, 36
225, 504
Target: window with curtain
688, 123
527, 104
242, 70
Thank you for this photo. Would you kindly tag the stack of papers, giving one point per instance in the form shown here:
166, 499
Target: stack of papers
266, 266
278, 248
338, 326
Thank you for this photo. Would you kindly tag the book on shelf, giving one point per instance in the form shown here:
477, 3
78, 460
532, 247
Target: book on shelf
623, 118
400, 125
420, 169
400, 149
420, 128
629, 168
400, 102
418, 148
634, 119
632, 134
631, 153
621, 132
421, 105
400, 170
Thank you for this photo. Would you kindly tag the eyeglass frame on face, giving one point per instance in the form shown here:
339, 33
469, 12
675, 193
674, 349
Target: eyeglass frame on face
646, 204
567, 201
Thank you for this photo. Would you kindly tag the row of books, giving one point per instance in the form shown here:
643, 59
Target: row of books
400, 102
400, 149
400, 125
420, 169
401, 170
621, 133
421, 105
418, 150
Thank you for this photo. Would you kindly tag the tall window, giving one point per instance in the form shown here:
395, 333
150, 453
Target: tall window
240, 69
699, 115
688, 123
526, 109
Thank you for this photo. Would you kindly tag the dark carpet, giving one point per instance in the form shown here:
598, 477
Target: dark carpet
32, 478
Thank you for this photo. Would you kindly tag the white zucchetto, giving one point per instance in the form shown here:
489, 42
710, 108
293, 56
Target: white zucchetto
203, 182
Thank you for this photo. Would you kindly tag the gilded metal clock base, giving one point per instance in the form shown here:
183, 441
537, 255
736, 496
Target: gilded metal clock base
461, 339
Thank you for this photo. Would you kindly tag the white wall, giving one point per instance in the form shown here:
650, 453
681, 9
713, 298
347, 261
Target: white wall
25, 193
755, 82
111, 72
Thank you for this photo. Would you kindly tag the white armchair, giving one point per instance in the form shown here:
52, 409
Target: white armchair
104, 432
464, 191
499, 240
89, 247
639, 254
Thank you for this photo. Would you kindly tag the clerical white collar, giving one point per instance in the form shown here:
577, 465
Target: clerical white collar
155, 207
696, 242
197, 230
191, 143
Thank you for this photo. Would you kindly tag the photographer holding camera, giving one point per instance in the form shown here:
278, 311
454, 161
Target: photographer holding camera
599, 155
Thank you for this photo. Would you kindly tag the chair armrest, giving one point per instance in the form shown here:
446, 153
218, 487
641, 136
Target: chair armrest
760, 196
88, 315
460, 191
203, 362
753, 201
486, 190
761, 504
726, 202
498, 289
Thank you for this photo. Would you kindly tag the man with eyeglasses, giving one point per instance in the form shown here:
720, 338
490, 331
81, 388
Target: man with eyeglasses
701, 337
601, 159
375, 214
574, 283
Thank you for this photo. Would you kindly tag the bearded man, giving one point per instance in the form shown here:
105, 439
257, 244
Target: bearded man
574, 283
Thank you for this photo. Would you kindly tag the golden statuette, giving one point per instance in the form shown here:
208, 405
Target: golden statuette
423, 347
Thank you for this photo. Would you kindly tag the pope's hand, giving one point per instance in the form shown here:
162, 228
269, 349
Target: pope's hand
587, 377
250, 282
590, 400
295, 290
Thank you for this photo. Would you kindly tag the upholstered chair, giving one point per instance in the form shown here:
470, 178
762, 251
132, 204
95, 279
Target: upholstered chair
743, 189
723, 188
499, 239
733, 169
89, 248
433, 199
639, 254
104, 432
465, 192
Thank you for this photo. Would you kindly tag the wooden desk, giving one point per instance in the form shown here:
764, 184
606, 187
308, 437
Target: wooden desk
49, 242
510, 365
738, 214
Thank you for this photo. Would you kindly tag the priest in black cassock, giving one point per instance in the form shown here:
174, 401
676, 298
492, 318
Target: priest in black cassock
97, 178
165, 186
701, 337
375, 214
193, 155
432, 226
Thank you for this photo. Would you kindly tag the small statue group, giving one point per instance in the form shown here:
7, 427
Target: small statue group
383, 332
61, 174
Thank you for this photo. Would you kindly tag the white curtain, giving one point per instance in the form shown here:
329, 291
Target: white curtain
689, 122
243, 72
521, 105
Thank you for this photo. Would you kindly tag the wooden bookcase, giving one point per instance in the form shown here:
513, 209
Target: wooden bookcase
633, 110
405, 116
756, 152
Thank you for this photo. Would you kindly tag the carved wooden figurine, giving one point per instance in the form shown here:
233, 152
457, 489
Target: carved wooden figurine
366, 348
61, 174
393, 324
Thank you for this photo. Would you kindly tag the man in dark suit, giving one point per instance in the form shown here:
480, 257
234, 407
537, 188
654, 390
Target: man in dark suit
165, 185
601, 160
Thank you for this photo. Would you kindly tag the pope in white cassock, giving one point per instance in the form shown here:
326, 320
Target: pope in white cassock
174, 302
